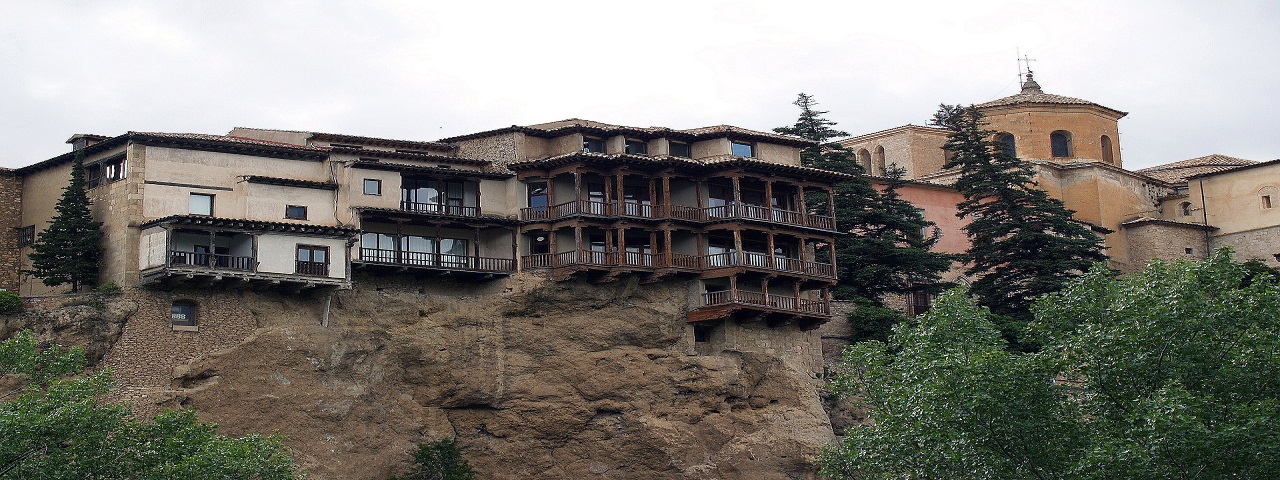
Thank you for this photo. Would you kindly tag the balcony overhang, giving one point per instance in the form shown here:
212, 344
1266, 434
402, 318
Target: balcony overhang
443, 217
252, 226
202, 276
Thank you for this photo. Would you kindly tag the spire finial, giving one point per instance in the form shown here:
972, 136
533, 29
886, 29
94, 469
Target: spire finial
1030, 86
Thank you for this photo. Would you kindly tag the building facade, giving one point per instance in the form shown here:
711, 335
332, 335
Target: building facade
575, 199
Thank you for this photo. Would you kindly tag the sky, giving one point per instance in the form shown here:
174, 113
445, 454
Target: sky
1197, 77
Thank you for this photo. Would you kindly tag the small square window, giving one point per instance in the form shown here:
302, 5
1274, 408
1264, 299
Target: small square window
681, 149
201, 204
744, 149
637, 147
702, 333
1189, 251
295, 212
26, 235
372, 186
183, 314
590, 145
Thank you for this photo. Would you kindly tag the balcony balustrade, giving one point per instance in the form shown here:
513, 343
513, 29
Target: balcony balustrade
437, 260
319, 269
762, 261
760, 299
211, 260
678, 212
754, 260
455, 210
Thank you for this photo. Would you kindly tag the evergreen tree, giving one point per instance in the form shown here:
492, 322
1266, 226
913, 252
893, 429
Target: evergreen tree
440, 460
886, 249
70, 249
1024, 243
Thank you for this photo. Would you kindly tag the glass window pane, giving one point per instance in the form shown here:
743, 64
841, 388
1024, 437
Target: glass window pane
318, 255
743, 149
680, 150
372, 186
201, 204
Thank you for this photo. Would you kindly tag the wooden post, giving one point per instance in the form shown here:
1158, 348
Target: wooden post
213, 249
577, 186
737, 194
831, 247
551, 191
768, 199
620, 193
737, 245
515, 250
772, 262
697, 190
804, 209
666, 234
666, 194
621, 251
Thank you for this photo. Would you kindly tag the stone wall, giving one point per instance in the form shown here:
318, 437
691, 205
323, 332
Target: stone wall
501, 149
1165, 240
1260, 243
10, 222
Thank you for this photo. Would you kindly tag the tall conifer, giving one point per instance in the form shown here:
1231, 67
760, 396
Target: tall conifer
1024, 242
886, 245
70, 249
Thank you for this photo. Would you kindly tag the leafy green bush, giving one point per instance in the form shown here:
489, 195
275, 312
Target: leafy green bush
9, 301
439, 460
109, 288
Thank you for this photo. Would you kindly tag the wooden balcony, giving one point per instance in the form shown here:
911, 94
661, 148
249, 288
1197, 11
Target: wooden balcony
777, 310
211, 261
677, 212
628, 260
202, 270
440, 209
760, 261
436, 261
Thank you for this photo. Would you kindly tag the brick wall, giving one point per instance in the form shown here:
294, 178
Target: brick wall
10, 221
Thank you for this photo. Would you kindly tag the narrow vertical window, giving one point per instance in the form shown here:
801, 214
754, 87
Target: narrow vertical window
1107, 155
201, 204
1008, 144
1060, 143
1266, 201
1185, 209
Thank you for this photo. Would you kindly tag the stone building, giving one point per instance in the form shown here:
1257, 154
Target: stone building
303, 211
1073, 147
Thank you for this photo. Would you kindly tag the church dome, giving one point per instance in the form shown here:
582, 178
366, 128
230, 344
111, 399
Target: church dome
1031, 94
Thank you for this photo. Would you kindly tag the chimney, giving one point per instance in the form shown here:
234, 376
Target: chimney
82, 140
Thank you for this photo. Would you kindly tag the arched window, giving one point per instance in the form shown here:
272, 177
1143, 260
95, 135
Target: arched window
1107, 155
183, 314
1060, 142
878, 159
1007, 143
1185, 209
864, 160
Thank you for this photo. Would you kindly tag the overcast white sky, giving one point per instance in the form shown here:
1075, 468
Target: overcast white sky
1196, 77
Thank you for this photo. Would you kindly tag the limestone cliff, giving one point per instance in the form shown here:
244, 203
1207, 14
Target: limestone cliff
535, 379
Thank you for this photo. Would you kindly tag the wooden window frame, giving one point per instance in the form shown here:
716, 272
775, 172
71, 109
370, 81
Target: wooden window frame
298, 262
377, 182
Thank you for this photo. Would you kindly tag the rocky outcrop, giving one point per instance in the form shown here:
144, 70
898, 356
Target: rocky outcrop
535, 379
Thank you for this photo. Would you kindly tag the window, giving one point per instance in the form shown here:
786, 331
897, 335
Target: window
1189, 251
538, 195
106, 171
681, 149
295, 212
590, 144
1266, 201
741, 149
201, 204
431, 195
921, 302
313, 260
1060, 143
864, 160
1107, 155
702, 333
878, 162
372, 186
636, 147
26, 235
1008, 144
183, 313
541, 244
1185, 209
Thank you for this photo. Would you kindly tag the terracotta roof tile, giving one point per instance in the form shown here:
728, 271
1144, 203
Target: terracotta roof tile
1178, 172
1032, 94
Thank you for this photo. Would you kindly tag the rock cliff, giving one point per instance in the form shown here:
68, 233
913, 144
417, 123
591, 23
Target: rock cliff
535, 379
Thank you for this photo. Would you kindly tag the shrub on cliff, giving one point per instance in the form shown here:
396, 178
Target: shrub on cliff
439, 460
52, 427
1168, 373
9, 301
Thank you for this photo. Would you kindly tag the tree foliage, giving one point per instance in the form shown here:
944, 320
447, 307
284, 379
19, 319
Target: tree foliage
887, 245
439, 460
52, 427
1024, 243
70, 249
1171, 373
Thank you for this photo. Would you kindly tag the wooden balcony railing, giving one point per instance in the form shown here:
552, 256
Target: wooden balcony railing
211, 260
319, 269
760, 299
457, 210
678, 212
760, 260
437, 260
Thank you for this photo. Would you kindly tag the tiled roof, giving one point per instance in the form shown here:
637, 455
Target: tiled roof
715, 162
341, 138
1178, 172
1032, 94
224, 139
571, 125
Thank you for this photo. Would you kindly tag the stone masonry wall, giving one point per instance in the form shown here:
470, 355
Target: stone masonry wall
10, 221
1261, 243
1148, 241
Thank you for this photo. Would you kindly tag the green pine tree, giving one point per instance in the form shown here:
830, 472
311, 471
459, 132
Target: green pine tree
70, 249
1024, 242
439, 460
887, 247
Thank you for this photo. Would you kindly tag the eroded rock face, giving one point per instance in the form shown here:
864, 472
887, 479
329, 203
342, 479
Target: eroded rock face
535, 379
